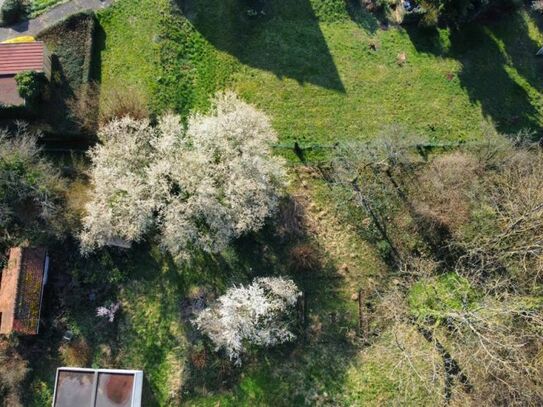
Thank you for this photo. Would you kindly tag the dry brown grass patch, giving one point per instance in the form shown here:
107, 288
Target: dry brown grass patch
444, 186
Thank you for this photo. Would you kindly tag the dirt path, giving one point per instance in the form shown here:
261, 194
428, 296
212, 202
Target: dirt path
52, 17
358, 262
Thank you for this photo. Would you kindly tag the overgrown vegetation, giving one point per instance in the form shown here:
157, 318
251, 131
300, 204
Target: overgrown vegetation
31, 189
416, 245
464, 229
30, 85
13, 371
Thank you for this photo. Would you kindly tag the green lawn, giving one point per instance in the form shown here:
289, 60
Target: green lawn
337, 79
150, 45
449, 87
127, 43
324, 74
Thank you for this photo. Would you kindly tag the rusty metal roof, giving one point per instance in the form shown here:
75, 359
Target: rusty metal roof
21, 290
26, 56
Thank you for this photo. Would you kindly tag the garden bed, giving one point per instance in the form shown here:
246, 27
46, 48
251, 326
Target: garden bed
41, 6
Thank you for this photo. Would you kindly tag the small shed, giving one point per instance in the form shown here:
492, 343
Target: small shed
97, 387
16, 58
21, 290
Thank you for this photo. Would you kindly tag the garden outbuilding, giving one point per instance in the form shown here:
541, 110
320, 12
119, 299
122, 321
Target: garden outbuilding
17, 58
97, 387
21, 290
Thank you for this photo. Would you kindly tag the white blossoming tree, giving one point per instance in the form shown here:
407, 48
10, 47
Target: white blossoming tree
200, 186
258, 314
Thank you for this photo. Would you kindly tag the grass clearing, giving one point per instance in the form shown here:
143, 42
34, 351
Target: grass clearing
127, 48
325, 72
150, 45
448, 88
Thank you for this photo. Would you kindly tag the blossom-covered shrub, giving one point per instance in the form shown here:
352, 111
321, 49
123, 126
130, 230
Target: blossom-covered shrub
108, 312
200, 186
257, 314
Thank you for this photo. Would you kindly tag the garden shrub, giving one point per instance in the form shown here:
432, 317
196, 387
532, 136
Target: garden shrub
458, 12
77, 353
30, 85
434, 298
290, 220
84, 107
12, 11
30, 188
304, 258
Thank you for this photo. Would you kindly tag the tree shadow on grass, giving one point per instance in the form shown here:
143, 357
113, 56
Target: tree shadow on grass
281, 37
369, 21
316, 362
498, 68
55, 111
152, 334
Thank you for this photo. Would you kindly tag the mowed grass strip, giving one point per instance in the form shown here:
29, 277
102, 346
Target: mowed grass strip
128, 42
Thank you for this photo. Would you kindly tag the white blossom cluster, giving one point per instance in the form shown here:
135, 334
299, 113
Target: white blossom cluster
257, 314
200, 186
108, 312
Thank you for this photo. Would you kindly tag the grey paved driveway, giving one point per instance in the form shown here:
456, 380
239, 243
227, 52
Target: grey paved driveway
51, 17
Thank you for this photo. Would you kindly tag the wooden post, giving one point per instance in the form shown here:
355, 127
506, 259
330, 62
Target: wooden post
302, 313
363, 327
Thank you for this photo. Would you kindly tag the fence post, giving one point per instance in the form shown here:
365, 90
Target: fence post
363, 326
302, 312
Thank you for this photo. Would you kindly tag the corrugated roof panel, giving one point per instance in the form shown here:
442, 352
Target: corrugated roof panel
21, 291
27, 56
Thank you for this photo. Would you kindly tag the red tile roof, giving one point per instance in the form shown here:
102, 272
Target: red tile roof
27, 56
21, 291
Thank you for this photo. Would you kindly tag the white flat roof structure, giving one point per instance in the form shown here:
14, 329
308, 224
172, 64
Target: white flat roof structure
97, 387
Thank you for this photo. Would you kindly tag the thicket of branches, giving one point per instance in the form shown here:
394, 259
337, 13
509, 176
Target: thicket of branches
13, 371
464, 231
31, 188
